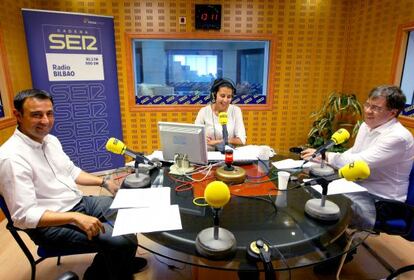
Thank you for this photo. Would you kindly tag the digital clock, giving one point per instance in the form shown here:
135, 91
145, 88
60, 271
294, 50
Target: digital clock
207, 16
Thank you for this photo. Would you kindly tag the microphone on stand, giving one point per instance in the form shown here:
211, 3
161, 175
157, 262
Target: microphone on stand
222, 117
322, 209
223, 121
116, 146
216, 242
141, 178
340, 136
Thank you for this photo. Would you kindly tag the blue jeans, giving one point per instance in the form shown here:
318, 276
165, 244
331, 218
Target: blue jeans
115, 254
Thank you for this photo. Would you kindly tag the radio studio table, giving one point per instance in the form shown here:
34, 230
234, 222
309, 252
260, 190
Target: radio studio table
279, 219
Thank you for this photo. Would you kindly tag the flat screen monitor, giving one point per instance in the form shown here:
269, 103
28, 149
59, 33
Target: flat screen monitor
183, 138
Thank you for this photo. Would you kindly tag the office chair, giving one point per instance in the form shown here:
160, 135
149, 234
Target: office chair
397, 218
43, 253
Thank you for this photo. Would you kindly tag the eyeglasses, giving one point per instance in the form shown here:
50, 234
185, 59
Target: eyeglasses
373, 108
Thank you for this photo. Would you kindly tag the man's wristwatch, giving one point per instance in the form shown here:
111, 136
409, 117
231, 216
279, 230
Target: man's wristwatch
104, 183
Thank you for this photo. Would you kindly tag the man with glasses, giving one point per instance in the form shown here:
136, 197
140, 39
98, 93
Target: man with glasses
382, 142
388, 148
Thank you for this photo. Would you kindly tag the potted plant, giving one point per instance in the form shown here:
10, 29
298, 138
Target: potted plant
340, 110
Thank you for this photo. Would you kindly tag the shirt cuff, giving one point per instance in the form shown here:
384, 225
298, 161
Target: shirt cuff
332, 159
32, 218
75, 173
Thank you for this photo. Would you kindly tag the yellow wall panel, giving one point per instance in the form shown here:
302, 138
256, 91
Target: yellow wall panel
6, 133
373, 25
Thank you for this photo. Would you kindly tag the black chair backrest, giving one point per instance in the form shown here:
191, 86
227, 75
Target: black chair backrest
410, 193
5, 210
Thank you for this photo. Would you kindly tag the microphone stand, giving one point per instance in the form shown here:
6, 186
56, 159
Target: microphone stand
221, 147
210, 244
216, 223
225, 135
321, 208
324, 184
141, 178
323, 169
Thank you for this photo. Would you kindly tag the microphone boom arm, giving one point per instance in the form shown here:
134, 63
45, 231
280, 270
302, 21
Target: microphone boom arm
139, 158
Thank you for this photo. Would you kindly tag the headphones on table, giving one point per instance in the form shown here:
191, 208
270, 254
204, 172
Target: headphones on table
259, 250
220, 83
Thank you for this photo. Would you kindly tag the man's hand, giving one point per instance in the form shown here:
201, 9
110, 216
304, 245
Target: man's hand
306, 154
90, 225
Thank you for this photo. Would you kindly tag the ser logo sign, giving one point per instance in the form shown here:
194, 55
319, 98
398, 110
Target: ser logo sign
73, 53
72, 42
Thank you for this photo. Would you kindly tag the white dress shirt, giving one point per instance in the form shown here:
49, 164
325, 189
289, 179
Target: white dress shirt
36, 177
388, 150
214, 130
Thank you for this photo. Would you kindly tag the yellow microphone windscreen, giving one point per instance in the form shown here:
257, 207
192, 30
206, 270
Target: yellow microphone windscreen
222, 118
217, 194
357, 170
340, 136
115, 146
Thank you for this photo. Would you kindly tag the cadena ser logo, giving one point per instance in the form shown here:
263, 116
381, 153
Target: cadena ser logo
74, 39
72, 42
73, 53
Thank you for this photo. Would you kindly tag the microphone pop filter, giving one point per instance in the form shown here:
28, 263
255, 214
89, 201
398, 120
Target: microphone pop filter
340, 136
222, 118
115, 146
217, 194
354, 171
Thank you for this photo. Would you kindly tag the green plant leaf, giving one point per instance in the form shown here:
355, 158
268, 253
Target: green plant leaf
334, 112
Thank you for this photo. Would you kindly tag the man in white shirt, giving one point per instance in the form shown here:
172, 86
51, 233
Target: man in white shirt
39, 184
388, 149
383, 143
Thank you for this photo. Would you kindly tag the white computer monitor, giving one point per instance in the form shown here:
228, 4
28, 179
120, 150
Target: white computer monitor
183, 138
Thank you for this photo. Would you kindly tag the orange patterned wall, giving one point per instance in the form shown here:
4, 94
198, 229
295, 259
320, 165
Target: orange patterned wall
373, 27
321, 46
308, 67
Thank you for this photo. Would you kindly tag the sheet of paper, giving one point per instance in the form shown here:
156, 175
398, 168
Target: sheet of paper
136, 220
156, 154
341, 186
215, 156
291, 164
148, 197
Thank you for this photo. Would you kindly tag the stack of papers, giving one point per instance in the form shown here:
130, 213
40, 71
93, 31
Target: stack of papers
145, 210
291, 164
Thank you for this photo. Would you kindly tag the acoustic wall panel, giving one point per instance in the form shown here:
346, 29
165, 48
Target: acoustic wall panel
321, 46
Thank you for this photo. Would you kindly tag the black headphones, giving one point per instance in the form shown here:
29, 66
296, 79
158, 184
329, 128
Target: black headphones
220, 83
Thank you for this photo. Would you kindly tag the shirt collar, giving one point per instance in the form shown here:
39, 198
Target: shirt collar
29, 141
384, 126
